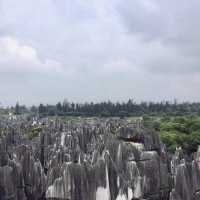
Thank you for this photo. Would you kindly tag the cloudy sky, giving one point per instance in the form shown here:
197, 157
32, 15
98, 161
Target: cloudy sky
93, 50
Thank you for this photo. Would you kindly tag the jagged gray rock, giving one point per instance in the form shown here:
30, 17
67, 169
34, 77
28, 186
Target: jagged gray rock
99, 159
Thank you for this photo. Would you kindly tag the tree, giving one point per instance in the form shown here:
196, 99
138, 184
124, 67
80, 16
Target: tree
33, 109
17, 109
41, 109
59, 108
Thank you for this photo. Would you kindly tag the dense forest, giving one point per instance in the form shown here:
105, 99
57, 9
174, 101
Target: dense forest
110, 109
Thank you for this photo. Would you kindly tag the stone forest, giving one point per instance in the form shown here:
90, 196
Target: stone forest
92, 159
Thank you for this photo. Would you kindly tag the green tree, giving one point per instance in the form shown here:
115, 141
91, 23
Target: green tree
17, 109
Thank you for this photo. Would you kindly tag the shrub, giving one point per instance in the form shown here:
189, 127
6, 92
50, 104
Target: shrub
170, 140
33, 133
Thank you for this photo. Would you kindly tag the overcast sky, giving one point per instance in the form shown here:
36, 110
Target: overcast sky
93, 50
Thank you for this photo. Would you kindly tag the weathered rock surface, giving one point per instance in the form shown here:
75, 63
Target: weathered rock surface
186, 175
92, 160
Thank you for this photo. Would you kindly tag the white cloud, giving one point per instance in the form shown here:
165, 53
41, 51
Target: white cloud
146, 49
16, 57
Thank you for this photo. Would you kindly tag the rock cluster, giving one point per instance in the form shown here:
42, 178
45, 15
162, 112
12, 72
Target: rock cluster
98, 159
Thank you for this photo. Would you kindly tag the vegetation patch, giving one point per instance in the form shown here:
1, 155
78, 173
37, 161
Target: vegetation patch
177, 131
33, 133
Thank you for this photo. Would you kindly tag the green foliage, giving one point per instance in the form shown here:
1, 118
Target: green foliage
122, 109
177, 131
171, 126
105, 114
113, 130
170, 139
165, 109
33, 133
152, 122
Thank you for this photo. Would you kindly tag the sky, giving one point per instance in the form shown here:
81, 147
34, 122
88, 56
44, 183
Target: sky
97, 50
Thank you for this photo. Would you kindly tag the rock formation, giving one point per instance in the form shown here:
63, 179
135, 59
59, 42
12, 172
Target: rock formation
98, 159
